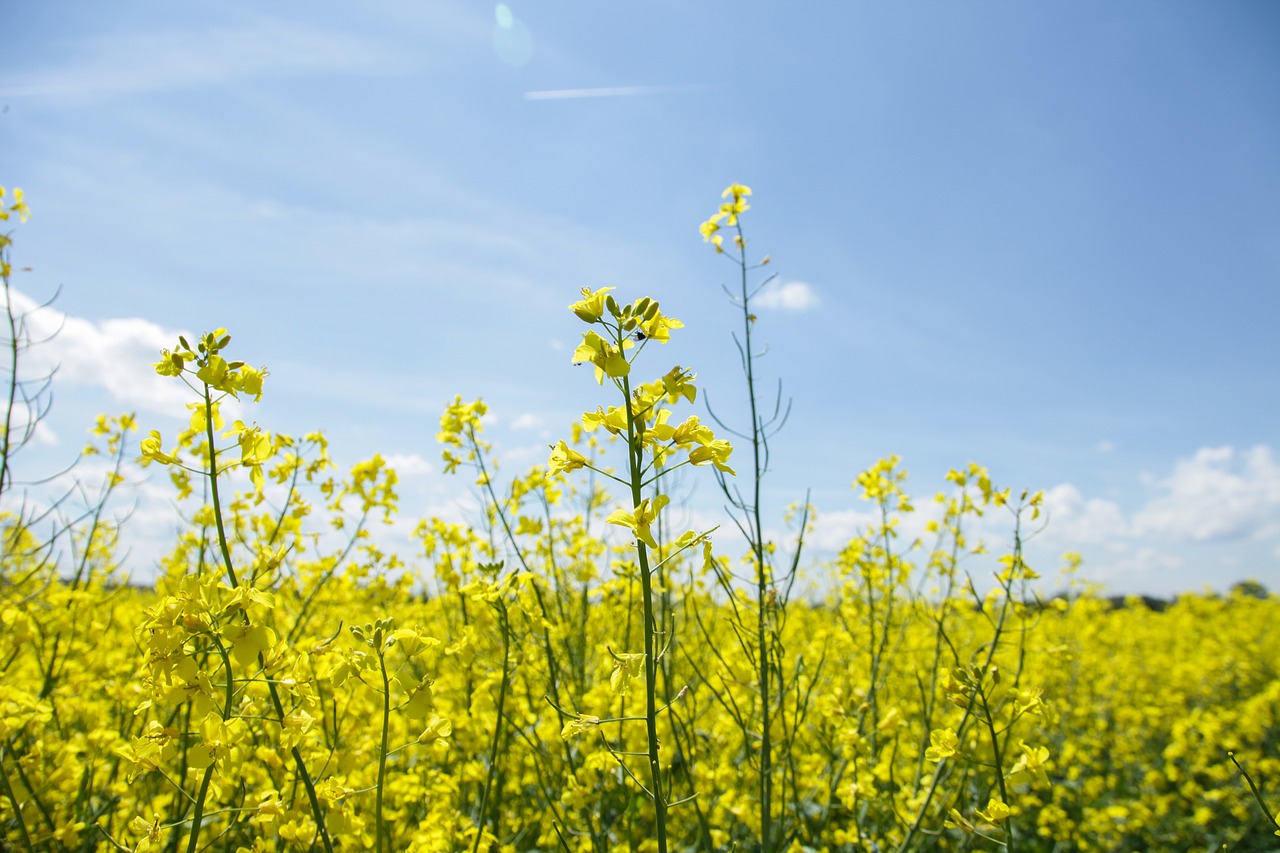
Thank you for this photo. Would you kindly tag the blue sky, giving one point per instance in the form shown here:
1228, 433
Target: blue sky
1040, 236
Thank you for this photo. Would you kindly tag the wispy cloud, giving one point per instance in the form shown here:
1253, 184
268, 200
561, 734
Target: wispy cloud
833, 530
791, 296
1217, 494
184, 59
527, 420
1075, 520
116, 355
608, 92
409, 464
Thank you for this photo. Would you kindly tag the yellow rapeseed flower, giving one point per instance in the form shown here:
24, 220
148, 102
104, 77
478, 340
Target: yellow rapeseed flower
943, 744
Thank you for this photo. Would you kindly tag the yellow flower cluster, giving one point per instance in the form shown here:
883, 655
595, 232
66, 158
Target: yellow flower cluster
531, 683
16, 207
1115, 730
727, 214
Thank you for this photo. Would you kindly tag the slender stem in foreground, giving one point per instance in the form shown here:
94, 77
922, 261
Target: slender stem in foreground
763, 580
497, 729
636, 465
17, 810
225, 549
382, 753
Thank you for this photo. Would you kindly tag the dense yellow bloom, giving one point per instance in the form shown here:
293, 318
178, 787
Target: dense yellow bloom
996, 812
582, 724
262, 683
627, 668
18, 206
219, 739
678, 383
943, 743
659, 326
437, 728
607, 359
1031, 765
565, 458
591, 307
458, 428
613, 419
716, 451
152, 451
640, 521
421, 700
728, 214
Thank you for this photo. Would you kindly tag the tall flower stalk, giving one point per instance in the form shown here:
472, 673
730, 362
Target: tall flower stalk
213, 377
770, 601
654, 448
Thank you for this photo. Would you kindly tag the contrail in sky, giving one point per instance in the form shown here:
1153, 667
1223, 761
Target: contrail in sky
613, 92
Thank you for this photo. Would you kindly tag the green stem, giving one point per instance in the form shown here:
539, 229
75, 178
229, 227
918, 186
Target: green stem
1257, 795
635, 449
197, 815
15, 347
17, 810
762, 570
553, 665
382, 754
999, 760
213, 488
997, 633
231, 576
497, 728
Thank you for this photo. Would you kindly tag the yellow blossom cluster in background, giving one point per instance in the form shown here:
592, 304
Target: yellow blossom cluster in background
572, 673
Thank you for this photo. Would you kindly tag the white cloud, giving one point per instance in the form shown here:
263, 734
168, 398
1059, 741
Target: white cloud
1106, 446
408, 464
1075, 519
115, 355
833, 530
1143, 563
791, 296
1217, 494
526, 420
607, 92
22, 432
517, 459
